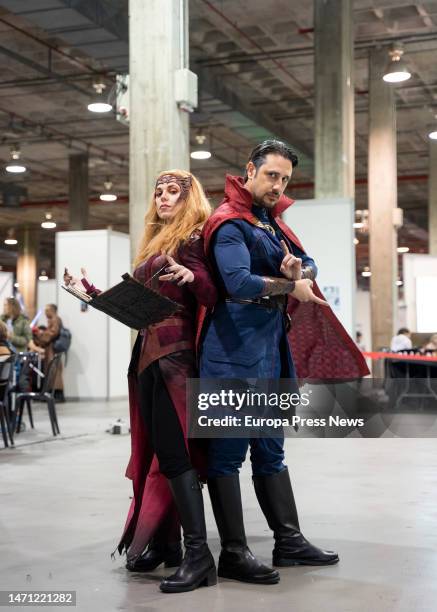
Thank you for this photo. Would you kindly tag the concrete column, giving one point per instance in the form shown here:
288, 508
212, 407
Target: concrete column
382, 186
334, 151
432, 197
334, 99
78, 191
27, 268
159, 131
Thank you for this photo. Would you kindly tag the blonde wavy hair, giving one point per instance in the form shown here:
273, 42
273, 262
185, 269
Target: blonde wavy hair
166, 237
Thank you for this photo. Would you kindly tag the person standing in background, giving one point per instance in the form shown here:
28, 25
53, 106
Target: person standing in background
19, 332
45, 338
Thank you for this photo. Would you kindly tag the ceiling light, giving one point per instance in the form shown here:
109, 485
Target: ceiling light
108, 195
14, 166
433, 135
200, 154
356, 241
358, 225
399, 283
10, 239
43, 276
99, 104
48, 223
403, 249
396, 70
201, 150
366, 272
16, 285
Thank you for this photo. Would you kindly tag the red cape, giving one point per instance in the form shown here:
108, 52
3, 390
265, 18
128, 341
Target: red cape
320, 345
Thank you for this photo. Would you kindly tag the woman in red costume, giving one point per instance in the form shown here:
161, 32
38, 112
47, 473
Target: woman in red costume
164, 465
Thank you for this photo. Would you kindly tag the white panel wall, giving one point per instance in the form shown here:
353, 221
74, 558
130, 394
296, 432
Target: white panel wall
325, 228
415, 266
119, 336
6, 287
99, 353
47, 293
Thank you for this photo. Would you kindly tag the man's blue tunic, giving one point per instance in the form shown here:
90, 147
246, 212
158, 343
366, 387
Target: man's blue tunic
246, 339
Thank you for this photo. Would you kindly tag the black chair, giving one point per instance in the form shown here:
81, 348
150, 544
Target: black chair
6, 381
20, 383
46, 394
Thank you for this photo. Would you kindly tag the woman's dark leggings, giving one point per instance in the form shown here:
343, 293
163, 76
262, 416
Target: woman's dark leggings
162, 423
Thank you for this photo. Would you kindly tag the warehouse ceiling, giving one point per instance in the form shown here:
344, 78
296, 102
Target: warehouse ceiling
255, 65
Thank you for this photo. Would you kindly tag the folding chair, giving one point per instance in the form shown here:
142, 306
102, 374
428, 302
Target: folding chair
46, 394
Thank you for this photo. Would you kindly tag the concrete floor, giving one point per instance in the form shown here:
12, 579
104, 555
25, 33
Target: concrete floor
63, 503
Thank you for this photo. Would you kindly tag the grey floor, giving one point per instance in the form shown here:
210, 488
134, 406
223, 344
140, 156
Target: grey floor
63, 503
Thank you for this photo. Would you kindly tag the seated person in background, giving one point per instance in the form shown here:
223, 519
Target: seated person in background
45, 338
402, 341
33, 346
5, 349
431, 345
19, 332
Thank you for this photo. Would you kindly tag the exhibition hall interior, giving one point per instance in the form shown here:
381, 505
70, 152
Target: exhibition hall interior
104, 106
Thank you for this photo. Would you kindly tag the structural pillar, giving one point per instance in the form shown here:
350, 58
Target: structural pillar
334, 157
78, 191
382, 186
159, 130
27, 269
432, 197
334, 100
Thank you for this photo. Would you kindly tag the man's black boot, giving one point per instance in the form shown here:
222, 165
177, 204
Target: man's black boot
275, 496
164, 547
236, 560
197, 567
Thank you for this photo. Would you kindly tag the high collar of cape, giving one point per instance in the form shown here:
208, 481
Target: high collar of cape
239, 196
237, 204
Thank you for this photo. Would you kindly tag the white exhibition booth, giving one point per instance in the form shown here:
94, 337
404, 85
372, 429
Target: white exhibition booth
6, 286
317, 223
420, 291
100, 350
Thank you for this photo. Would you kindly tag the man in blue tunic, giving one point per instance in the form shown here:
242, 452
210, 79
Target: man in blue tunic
258, 263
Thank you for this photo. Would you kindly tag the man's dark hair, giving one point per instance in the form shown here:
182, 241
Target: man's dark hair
277, 147
53, 307
403, 330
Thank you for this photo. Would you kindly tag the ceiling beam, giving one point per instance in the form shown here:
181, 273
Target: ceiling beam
41, 69
216, 88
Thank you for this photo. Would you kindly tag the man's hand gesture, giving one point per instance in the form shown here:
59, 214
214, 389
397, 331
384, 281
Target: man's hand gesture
291, 266
303, 291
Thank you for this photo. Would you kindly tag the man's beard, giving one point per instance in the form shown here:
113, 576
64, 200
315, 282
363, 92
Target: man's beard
264, 204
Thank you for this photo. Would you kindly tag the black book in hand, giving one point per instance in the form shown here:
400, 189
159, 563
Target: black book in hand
129, 302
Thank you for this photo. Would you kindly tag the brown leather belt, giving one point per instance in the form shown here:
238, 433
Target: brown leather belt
272, 302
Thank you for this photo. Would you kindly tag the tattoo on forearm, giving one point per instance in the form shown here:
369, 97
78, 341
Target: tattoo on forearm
277, 286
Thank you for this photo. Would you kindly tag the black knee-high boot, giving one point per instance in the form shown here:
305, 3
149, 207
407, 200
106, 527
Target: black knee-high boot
197, 567
236, 560
164, 547
275, 496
